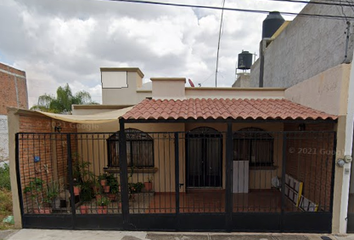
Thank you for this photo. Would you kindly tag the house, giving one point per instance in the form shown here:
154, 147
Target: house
13, 93
176, 158
223, 159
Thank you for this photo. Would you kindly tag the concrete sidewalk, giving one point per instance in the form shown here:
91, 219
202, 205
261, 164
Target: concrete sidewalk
34, 234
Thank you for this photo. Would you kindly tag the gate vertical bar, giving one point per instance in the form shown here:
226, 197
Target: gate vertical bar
283, 182
71, 180
177, 178
123, 173
333, 170
229, 174
18, 174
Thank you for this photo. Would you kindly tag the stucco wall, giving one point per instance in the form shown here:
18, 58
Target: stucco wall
4, 151
305, 48
327, 91
125, 95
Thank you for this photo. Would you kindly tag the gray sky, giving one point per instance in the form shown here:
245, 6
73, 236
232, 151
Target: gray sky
67, 41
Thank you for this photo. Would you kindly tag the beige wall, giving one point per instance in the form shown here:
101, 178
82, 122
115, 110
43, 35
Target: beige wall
204, 92
262, 178
168, 88
164, 178
126, 95
327, 91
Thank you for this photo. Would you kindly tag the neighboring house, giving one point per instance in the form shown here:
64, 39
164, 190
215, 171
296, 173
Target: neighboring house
13, 93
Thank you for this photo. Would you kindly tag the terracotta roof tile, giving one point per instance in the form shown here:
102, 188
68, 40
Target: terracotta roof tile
223, 109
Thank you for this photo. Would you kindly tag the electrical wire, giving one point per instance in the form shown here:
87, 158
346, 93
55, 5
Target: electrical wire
219, 40
334, 17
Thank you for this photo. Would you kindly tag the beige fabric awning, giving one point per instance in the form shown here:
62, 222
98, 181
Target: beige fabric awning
104, 117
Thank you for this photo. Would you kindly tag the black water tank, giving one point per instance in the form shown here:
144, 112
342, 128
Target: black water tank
245, 60
271, 24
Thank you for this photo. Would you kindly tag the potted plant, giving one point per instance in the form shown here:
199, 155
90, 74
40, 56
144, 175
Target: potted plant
148, 184
102, 179
35, 189
114, 193
77, 189
87, 190
52, 194
84, 209
102, 205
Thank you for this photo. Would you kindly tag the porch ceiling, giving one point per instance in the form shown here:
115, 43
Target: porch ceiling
263, 109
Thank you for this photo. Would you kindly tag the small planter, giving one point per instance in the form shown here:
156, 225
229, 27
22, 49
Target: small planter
106, 189
96, 189
103, 182
77, 190
84, 209
98, 198
148, 186
112, 197
45, 210
102, 209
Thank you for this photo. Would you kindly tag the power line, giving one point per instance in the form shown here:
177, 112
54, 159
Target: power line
218, 49
334, 17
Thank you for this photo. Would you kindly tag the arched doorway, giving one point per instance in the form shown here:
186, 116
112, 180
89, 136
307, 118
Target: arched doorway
204, 158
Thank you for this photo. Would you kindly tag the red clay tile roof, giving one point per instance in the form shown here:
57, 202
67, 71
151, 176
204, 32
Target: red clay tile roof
223, 109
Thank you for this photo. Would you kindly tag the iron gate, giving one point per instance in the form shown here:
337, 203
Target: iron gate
134, 180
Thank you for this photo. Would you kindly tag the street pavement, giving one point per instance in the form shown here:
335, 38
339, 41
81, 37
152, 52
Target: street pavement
36, 234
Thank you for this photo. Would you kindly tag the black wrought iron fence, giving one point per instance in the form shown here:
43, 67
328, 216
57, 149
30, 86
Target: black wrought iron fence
174, 174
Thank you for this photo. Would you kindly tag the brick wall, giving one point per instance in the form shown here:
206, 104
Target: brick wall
309, 158
43, 155
13, 91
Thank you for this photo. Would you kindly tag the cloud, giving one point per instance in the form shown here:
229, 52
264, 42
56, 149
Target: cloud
67, 41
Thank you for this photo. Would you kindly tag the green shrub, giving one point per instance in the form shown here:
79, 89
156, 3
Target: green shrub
5, 177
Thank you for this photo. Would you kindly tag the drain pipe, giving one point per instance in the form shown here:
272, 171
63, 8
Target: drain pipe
346, 60
261, 66
262, 48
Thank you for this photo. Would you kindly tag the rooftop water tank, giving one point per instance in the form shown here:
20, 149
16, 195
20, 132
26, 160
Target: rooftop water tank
271, 24
245, 60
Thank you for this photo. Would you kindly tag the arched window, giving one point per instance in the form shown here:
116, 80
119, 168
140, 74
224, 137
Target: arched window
140, 147
254, 145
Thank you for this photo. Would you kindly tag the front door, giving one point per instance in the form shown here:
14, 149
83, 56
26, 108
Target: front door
204, 158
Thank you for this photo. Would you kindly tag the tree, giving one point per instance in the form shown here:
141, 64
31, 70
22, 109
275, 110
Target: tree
63, 101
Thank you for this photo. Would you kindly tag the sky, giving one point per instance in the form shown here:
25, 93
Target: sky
67, 41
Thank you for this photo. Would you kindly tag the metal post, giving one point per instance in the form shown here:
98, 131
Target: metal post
283, 182
18, 176
229, 174
177, 176
123, 165
71, 180
177, 171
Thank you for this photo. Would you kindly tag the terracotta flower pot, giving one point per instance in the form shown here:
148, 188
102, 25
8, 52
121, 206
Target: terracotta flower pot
77, 190
84, 209
102, 209
44, 210
98, 197
148, 186
106, 189
103, 182
112, 197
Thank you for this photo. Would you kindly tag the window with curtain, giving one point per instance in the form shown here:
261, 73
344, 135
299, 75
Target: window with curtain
140, 147
254, 145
